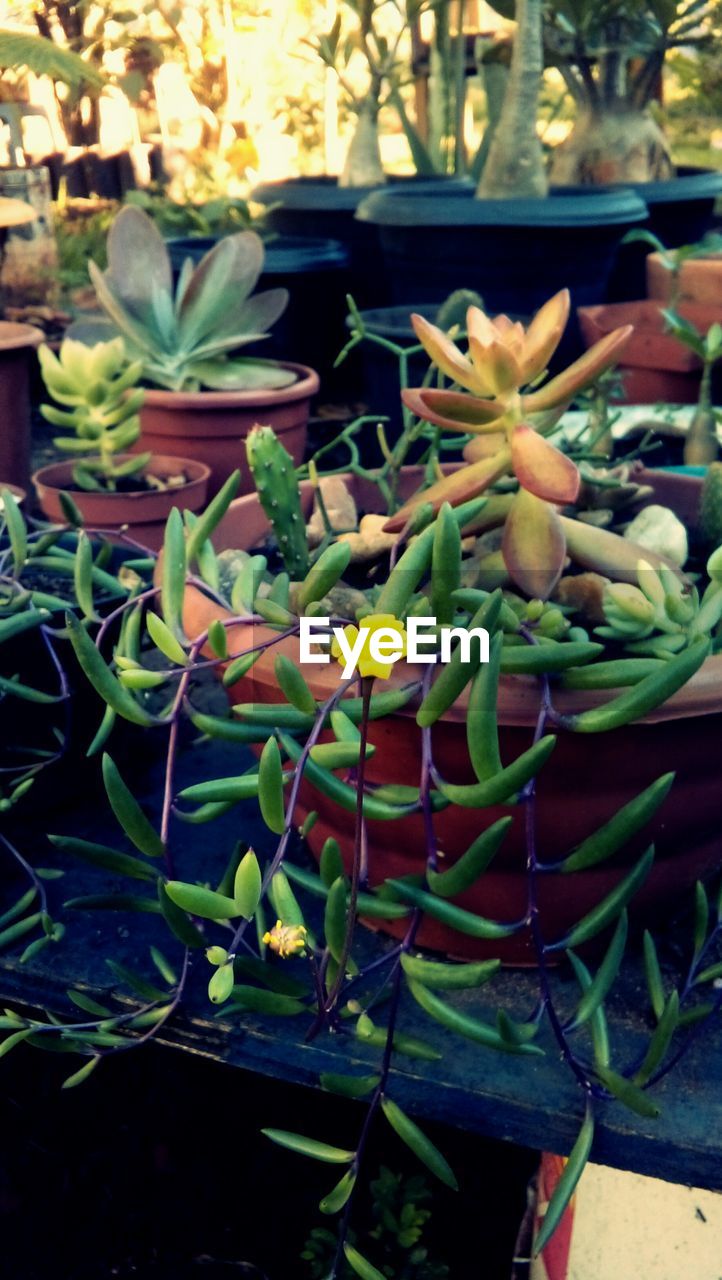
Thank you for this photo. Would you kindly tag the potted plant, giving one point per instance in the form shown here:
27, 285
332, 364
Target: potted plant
531, 554
400, 760
202, 399
690, 273
522, 231
325, 205
657, 366
112, 488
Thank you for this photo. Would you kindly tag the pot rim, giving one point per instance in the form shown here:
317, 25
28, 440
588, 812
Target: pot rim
51, 476
518, 695
648, 310
306, 386
577, 208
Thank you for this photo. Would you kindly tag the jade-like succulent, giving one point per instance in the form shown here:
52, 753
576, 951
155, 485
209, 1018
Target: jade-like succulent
98, 386
185, 335
501, 404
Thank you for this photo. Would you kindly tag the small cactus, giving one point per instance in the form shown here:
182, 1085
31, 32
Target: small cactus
274, 476
711, 506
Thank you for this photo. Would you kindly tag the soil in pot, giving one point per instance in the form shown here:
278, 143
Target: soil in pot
654, 367
143, 510
211, 426
585, 782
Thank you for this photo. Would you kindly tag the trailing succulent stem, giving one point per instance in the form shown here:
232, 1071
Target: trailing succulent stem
482, 549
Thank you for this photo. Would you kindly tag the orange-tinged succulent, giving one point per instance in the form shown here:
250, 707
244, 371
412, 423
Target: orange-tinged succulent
500, 405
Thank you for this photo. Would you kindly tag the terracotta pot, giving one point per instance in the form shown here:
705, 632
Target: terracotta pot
144, 511
586, 780
700, 280
20, 495
211, 426
654, 366
17, 343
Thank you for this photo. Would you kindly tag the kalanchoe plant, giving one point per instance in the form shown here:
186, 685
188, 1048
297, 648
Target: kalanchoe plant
235, 928
98, 386
185, 336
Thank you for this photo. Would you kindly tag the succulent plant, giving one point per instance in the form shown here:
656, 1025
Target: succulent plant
184, 336
662, 615
275, 478
502, 406
98, 386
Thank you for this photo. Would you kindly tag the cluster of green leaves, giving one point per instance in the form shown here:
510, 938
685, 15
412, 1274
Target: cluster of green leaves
221, 216
98, 387
306, 965
30, 560
400, 1212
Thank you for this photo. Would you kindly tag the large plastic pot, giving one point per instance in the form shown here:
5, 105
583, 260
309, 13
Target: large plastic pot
515, 253
320, 207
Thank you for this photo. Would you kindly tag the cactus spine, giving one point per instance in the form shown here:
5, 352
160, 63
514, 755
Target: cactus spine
274, 476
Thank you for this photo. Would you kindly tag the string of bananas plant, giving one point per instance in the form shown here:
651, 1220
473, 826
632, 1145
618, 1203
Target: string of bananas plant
273, 938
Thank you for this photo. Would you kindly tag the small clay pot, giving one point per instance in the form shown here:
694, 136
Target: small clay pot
143, 512
655, 367
699, 280
211, 426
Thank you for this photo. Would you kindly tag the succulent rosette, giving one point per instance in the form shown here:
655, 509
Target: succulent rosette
507, 406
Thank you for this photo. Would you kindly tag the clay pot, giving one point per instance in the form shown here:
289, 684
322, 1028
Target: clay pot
20, 495
211, 426
700, 280
143, 512
655, 367
586, 780
17, 343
